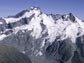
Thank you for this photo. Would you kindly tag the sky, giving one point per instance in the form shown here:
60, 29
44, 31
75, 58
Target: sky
12, 7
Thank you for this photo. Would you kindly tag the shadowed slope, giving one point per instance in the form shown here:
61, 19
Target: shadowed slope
12, 55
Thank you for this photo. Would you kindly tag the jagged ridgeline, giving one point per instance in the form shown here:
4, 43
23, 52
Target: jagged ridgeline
45, 38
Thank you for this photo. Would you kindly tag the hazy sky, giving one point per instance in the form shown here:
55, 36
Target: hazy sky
11, 7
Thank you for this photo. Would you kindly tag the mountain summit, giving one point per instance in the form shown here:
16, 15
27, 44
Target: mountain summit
53, 37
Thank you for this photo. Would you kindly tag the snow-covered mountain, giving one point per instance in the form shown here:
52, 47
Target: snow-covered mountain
52, 36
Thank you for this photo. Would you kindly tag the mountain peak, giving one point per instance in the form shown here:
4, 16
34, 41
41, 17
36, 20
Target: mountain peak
35, 8
32, 9
69, 16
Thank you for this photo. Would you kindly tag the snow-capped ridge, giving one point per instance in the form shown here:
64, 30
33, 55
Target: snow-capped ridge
25, 13
44, 27
55, 24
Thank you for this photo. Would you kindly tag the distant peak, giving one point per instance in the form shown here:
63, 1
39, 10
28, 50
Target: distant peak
70, 13
71, 17
35, 8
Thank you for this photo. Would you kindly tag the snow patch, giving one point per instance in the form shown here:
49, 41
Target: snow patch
2, 36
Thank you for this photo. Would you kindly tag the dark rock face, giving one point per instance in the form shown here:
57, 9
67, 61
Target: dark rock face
64, 17
19, 14
3, 25
71, 16
64, 52
61, 51
12, 55
79, 54
80, 45
23, 21
76, 58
